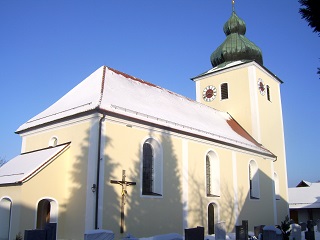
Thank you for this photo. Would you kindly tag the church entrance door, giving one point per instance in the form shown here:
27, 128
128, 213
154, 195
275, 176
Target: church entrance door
211, 218
43, 213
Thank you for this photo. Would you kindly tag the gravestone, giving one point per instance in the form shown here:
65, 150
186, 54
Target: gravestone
194, 233
98, 234
51, 231
246, 228
318, 225
309, 235
220, 231
35, 234
295, 233
271, 233
240, 233
258, 230
303, 226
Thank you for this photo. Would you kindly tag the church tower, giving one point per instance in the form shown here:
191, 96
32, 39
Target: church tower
239, 84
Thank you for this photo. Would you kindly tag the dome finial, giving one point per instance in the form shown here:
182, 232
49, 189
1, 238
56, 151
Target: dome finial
236, 47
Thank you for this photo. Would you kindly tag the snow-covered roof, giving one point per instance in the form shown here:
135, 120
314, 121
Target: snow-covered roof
112, 91
26, 165
222, 67
229, 65
305, 197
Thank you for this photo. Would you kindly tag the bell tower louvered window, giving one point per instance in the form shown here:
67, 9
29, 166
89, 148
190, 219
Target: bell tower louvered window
224, 91
268, 93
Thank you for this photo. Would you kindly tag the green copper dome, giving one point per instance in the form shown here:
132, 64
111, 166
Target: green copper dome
236, 46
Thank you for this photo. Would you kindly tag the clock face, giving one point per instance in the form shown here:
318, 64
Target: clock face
261, 86
209, 93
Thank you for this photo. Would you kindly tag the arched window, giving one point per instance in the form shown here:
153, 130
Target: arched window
254, 180
212, 217
53, 142
224, 91
212, 174
5, 217
151, 168
276, 186
148, 168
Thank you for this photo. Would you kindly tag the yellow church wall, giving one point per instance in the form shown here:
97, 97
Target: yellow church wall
256, 211
64, 180
260, 117
13, 193
272, 136
234, 203
238, 88
145, 215
197, 199
148, 215
50, 183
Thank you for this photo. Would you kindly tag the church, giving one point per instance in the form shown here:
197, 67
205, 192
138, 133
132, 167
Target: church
122, 154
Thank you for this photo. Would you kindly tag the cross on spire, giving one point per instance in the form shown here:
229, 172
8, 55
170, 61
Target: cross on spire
124, 194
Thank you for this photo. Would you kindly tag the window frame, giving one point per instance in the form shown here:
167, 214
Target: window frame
157, 171
53, 142
10, 202
212, 174
254, 180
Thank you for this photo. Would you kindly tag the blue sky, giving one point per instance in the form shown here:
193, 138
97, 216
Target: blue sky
48, 47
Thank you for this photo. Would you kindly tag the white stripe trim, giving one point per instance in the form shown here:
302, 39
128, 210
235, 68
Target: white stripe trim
255, 120
235, 187
185, 190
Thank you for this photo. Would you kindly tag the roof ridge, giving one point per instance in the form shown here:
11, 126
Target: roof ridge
161, 88
102, 85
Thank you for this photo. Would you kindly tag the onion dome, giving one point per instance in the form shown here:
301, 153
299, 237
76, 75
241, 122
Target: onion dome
236, 46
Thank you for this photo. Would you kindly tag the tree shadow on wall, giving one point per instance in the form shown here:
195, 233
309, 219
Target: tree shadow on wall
233, 207
154, 215
82, 191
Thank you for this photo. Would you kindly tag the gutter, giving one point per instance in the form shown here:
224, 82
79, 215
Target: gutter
11, 184
98, 171
276, 158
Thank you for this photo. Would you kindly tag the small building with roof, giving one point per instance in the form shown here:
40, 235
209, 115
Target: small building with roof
304, 201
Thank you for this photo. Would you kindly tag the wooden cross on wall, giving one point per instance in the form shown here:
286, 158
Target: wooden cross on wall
124, 185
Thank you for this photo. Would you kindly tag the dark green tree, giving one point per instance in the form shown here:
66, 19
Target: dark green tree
310, 11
